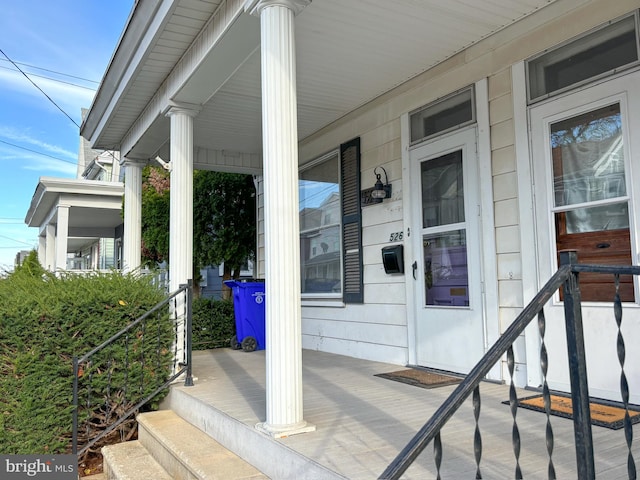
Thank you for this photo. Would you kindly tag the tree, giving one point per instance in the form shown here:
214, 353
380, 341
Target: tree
224, 220
155, 215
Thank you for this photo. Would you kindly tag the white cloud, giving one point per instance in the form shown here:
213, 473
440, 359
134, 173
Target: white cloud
69, 98
51, 165
20, 136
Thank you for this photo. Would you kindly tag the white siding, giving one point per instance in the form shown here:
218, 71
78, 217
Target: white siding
351, 329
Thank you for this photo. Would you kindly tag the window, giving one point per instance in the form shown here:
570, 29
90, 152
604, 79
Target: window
446, 114
600, 52
331, 226
320, 262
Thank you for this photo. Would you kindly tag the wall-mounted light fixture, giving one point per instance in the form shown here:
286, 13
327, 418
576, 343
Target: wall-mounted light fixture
380, 190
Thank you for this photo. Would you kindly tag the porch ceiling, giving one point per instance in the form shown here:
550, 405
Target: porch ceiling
348, 53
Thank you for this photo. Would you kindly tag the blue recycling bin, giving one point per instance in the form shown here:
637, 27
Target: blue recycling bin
248, 306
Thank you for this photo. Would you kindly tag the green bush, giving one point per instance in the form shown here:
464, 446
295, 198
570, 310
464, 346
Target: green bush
213, 323
44, 321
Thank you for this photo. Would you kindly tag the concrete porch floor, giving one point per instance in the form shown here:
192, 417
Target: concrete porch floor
363, 421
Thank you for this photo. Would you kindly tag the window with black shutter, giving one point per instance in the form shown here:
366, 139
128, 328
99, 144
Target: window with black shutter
353, 291
330, 226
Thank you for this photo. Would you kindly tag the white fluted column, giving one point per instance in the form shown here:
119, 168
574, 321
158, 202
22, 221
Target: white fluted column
42, 250
282, 232
181, 210
62, 237
49, 260
181, 200
132, 242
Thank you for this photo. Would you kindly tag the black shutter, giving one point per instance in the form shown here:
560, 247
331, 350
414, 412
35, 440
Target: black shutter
353, 289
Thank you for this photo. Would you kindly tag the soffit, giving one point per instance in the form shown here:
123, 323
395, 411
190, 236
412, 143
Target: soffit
348, 53
147, 57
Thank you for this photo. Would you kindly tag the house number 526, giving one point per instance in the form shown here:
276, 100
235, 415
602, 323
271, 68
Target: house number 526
396, 236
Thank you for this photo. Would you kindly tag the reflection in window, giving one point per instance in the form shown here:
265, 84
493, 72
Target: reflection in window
320, 250
442, 190
588, 166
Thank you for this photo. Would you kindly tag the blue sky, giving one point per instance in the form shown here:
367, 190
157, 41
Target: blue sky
64, 46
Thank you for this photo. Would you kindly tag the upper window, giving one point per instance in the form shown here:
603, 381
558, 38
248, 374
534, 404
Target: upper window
446, 114
604, 51
320, 227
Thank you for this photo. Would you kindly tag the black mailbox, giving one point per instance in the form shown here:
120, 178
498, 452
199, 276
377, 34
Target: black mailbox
393, 259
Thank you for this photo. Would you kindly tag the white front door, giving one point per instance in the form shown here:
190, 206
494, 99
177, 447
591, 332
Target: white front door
447, 274
586, 165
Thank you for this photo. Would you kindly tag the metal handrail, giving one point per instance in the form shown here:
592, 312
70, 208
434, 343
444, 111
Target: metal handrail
182, 366
568, 270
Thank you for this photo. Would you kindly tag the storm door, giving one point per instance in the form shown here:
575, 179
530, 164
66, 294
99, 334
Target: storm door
447, 279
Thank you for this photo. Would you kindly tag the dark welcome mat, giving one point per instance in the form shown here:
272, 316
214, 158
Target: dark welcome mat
603, 415
420, 378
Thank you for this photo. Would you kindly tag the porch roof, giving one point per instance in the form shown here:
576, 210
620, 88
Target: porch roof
348, 53
94, 207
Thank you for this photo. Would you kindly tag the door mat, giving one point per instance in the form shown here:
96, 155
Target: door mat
602, 415
420, 378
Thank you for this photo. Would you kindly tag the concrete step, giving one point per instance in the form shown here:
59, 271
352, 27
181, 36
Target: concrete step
131, 461
272, 457
187, 453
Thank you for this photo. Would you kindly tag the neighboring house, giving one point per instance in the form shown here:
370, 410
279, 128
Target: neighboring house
505, 127
80, 220
21, 256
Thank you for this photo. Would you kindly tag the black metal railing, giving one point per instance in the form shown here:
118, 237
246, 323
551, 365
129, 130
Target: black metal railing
567, 278
112, 382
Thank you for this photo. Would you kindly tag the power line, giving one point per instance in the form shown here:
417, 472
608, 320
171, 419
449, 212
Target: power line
52, 79
52, 71
14, 240
39, 153
35, 85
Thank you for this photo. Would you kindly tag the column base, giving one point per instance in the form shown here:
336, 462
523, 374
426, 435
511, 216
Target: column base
285, 430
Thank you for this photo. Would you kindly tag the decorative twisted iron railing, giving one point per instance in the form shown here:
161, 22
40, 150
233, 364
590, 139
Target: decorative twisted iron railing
129, 370
567, 278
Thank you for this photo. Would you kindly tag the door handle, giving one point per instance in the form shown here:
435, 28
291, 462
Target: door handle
415, 267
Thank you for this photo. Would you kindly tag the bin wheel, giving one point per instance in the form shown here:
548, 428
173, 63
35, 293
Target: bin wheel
235, 345
249, 344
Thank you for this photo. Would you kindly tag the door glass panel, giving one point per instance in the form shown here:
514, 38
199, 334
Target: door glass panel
588, 158
442, 190
614, 216
591, 208
444, 250
446, 275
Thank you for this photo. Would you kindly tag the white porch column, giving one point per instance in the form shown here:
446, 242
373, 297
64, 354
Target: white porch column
42, 250
181, 199
282, 230
49, 260
132, 242
62, 235
181, 209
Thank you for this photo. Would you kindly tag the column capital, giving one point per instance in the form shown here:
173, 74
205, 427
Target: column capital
175, 108
255, 7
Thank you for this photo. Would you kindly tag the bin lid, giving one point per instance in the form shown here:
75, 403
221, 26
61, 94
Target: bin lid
243, 282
